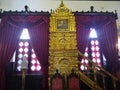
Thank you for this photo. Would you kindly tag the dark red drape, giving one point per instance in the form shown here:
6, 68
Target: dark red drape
107, 35
83, 30
39, 35
9, 35
38, 27
108, 38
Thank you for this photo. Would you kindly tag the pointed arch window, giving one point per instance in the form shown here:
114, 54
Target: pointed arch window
92, 50
25, 49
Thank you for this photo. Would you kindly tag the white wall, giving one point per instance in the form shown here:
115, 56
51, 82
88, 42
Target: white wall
47, 5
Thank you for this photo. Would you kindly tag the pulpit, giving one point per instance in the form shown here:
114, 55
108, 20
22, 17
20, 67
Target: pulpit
63, 53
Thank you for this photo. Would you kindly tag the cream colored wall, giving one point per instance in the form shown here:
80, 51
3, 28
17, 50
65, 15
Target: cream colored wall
47, 5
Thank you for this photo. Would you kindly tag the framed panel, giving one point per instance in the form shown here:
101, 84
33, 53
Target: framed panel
73, 81
62, 24
57, 82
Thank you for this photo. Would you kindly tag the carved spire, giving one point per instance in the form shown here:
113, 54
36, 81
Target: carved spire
62, 4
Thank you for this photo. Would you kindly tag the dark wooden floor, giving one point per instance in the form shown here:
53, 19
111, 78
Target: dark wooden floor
33, 82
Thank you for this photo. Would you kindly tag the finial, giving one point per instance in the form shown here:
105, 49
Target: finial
115, 11
116, 16
51, 10
26, 8
61, 5
0, 13
72, 71
56, 70
91, 8
0, 10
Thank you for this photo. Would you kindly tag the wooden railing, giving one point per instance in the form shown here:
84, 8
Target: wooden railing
96, 70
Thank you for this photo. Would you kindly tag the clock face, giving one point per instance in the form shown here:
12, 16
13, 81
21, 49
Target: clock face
62, 24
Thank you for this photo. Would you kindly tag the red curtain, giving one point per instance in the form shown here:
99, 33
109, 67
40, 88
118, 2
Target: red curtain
82, 33
38, 27
39, 36
107, 35
108, 38
11, 29
9, 35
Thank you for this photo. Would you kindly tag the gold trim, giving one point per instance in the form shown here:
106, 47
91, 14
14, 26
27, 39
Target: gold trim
63, 46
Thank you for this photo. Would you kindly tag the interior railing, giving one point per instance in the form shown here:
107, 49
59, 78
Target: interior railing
92, 72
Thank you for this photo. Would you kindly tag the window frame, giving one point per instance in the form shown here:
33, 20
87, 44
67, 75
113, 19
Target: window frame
89, 51
29, 71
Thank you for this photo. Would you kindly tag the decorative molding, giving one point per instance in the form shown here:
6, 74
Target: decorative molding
96, 13
92, 12
26, 12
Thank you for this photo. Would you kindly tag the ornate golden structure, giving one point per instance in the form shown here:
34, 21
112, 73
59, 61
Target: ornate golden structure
63, 47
